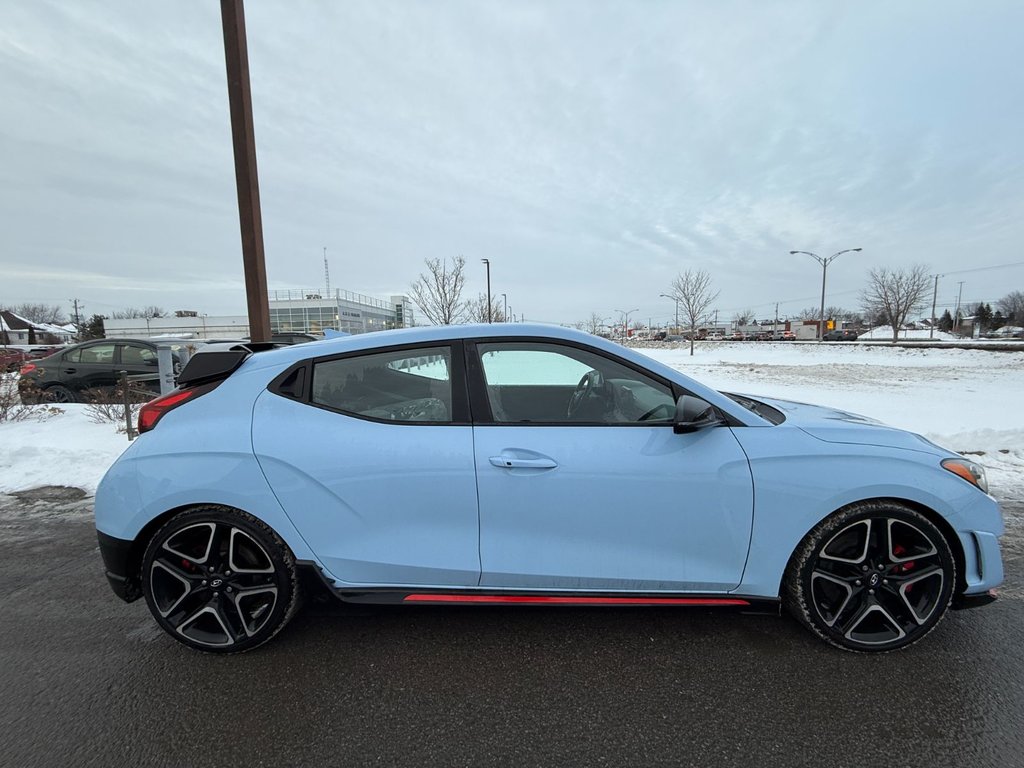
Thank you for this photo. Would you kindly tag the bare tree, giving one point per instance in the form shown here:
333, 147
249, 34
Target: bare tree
593, 324
892, 294
135, 313
831, 313
746, 317
692, 289
476, 310
40, 313
438, 291
1012, 307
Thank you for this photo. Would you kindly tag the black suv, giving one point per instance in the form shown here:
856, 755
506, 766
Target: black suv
92, 370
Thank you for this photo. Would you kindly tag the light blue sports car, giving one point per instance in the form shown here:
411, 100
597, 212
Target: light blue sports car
526, 464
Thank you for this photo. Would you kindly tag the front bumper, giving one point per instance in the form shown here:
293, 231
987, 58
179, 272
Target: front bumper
961, 602
121, 568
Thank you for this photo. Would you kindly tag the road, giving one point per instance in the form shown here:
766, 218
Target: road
88, 680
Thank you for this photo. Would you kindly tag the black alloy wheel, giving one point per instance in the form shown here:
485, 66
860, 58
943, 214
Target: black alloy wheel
873, 577
58, 393
219, 580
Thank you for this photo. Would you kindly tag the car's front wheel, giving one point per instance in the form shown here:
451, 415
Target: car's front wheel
219, 580
874, 577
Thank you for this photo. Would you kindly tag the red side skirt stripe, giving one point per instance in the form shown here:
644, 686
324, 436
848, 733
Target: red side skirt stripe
561, 600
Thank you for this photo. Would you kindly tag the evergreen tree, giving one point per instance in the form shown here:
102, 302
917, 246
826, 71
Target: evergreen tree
92, 328
998, 321
946, 322
983, 316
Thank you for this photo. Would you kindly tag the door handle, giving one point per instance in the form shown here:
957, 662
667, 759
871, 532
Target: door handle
510, 463
70, 370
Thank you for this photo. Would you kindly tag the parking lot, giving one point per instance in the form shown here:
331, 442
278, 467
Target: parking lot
88, 680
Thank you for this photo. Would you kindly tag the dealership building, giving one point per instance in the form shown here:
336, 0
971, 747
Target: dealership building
291, 311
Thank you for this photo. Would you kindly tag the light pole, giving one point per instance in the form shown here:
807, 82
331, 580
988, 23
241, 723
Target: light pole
956, 314
676, 300
625, 321
504, 303
824, 269
488, 263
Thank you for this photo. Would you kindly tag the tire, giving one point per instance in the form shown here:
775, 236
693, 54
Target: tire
58, 393
219, 580
873, 577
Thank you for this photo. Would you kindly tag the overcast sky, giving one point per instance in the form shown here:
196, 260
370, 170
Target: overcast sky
590, 150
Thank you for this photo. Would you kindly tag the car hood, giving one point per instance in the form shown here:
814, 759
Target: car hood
832, 425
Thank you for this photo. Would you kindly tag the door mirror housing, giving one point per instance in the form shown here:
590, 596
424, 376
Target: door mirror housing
693, 413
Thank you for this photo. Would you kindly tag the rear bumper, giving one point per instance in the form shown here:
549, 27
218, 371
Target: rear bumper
118, 563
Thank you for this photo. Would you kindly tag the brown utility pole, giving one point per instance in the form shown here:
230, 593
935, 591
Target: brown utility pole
243, 138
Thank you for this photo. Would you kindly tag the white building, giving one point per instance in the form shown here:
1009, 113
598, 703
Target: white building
307, 311
290, 312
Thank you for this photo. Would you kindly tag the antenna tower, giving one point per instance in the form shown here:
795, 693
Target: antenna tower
327, 276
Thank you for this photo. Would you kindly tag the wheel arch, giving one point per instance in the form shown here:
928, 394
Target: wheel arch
940, 522
137, 549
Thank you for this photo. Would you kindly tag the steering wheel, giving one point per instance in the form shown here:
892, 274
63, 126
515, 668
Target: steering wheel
590, 387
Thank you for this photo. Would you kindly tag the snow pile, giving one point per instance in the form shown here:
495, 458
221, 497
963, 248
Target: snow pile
884, 333
68, 449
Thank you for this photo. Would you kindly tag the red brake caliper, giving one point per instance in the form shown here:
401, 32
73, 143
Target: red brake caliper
898, 551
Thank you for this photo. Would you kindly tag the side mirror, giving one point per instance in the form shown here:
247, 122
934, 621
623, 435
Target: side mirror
693, 414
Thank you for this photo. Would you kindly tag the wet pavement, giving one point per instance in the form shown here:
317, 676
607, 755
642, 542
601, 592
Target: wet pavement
88, 680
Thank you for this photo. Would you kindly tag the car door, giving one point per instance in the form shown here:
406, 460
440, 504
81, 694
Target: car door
90, 369
583, 483
371, 456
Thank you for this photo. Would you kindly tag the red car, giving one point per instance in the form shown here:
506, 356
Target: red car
11, 359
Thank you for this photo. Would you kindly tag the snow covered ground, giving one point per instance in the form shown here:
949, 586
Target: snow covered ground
966, 400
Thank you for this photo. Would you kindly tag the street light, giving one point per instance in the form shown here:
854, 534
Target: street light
488, 263
676, 300
824, 269
625, 321
504, 303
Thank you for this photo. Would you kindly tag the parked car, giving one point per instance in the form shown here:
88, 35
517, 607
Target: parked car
91, 370
11, 359
715, 336
840, 335
784, 336
736, 336
471, 465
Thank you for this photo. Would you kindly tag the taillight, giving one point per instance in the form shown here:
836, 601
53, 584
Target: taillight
27, 368
154, 410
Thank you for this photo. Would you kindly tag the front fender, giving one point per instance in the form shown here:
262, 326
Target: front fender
799, 481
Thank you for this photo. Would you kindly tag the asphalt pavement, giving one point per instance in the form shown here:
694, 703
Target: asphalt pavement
88, 680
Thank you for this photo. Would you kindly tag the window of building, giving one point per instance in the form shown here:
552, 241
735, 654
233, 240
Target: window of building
408, 385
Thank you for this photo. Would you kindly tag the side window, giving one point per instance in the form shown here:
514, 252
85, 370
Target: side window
408, 385
133, 355
531, 382
98, 353
73, 356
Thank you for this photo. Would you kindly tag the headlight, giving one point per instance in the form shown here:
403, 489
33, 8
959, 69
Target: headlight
970, 471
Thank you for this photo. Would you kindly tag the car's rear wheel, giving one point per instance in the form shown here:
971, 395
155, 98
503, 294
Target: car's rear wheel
58, 393
219, 580
872, 577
